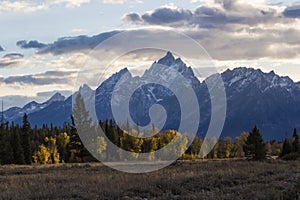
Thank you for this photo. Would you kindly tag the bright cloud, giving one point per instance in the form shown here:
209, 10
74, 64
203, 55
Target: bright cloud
35, 5
21, 6
68, 3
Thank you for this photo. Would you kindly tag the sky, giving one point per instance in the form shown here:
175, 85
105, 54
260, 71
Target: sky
45, 43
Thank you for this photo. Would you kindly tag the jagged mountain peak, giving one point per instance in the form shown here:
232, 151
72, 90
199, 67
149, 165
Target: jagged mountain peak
170, 61
56, 97
118, 74
109, 83
84, 87
242, 71
253, 73
30, 104
243, 77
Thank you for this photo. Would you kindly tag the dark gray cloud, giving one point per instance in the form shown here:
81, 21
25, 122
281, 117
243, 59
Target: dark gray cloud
218, 18
30, 44
11, 59
1, 48
13, 56
6, 64
292, 12
54, 73
75, 44
132, 17
167, 15
46, 78
29, 79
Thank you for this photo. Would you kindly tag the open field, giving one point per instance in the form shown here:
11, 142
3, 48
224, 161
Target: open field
182, 180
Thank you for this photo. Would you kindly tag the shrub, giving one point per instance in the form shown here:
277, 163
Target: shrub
291, 156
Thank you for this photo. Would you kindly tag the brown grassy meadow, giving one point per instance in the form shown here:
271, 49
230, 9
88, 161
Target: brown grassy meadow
182, 180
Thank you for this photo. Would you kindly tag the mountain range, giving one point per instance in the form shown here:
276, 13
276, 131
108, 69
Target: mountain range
253, 98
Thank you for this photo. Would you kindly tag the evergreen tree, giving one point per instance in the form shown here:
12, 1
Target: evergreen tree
75, 146
296, 142
254, 147
18, 153
26, 140
286, 147
6, 156
294, 133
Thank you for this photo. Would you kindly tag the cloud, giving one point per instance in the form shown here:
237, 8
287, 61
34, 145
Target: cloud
13, 56
78, 30
132, 17
21, 6
292, 12
46, 78
113, 1
167, 15
68, 3
232, 29
1, 48
11, 59
30, 44
38, 5
221, 13
75, 44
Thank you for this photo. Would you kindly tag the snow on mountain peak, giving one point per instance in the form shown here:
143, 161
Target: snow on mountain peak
169, 61
56, 97
242, 77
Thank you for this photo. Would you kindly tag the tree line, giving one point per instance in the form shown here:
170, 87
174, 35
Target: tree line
23, 144
52, 145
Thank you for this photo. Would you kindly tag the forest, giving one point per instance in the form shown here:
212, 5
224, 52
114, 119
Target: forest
51, 145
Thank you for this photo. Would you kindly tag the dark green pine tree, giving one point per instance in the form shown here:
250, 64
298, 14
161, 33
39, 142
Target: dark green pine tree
17, 150
295, 132
75, 146
286, 147
6, 156
296, 143
254, 147
26, 140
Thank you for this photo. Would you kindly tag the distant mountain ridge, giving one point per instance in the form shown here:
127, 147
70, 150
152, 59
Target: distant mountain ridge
270, 101
12, 114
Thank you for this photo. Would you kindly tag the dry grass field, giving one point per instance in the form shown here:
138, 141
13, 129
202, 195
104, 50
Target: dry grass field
182, 180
